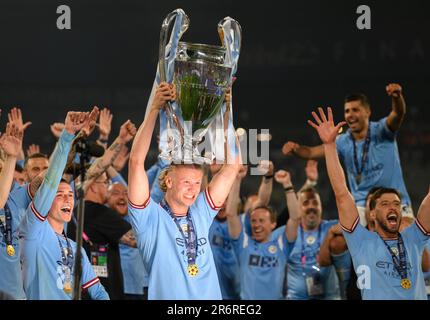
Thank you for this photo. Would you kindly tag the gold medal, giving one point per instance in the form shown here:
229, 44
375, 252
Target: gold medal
193, 270
406, 283
67, 287
10, 250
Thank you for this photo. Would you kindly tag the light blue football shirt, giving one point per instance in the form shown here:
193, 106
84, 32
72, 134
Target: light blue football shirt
133, 270
296, 276
42, 264
383, 162
225, 260
164, 252
374, 266
262, 266
12, 284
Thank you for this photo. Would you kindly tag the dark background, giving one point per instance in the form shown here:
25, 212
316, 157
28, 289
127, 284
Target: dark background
296, 55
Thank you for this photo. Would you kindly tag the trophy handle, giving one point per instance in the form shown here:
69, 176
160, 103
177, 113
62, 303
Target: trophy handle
162, 53
230, 33
164, 38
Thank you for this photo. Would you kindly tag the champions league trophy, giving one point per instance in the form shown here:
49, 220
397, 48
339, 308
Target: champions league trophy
202, 74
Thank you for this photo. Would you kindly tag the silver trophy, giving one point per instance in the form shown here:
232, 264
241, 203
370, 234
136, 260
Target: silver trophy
202, 74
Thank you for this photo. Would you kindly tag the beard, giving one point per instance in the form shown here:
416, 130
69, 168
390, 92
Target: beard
383, 223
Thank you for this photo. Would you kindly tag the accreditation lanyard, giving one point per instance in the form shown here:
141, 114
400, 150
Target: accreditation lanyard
399, 262
191, 240
303, 256
66, 253
359, 169
7, 230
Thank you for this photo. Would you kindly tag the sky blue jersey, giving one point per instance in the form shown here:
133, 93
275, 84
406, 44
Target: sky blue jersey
373, 263
133, 270
225, 260
262, 266
164, 252
302, 261
382, 167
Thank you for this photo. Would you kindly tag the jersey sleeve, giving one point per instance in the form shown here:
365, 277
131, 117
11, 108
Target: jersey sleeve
206, 206
240, 243
355, 237
90, 282
382, 131
144, 220
417, 233
340, 145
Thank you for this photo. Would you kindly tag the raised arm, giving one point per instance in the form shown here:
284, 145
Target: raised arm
423, 216
221, 183
311, 171
398, 106
100, 165
303, 152
327, 131
138, 186
283, 177
266, 185
231, 208
11, 144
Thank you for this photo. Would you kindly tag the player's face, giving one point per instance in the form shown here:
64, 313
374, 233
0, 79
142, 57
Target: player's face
261, 225
62, 206
117, 198
356, 115
184, 184
35, 166
310, 205
250, 202
387, 212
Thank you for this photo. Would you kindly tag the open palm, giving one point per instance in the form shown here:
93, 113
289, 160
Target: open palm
11, 140
325, 125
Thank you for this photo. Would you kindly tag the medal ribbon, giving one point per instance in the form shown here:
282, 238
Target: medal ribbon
303, 256
399, 263
66, 259
7, 230
191, 240
366, 146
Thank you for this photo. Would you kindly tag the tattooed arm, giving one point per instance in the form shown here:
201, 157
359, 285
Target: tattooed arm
127, 132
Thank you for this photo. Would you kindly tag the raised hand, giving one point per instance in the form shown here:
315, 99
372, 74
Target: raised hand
312, 170
11, 140
88, 128
394, 90
289, 147
75, 121
326, 129
165, 92
105, 123
15, 117
283, 177
121, 159
57, 128
127, 131
32, 149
